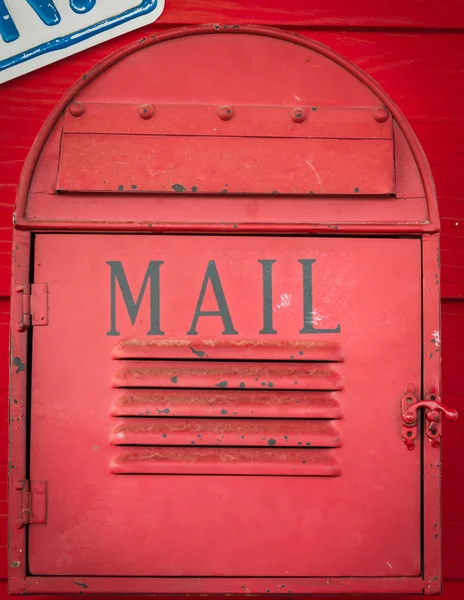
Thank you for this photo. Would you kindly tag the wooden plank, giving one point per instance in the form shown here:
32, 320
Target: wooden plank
331, 13
4, 343
453, 434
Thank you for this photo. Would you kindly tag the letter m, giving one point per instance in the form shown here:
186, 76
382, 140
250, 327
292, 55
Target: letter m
118, 277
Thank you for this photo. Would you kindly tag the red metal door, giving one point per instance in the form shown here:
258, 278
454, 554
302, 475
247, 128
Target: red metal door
226, 406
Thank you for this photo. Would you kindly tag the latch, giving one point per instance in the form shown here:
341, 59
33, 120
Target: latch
31, 305
33, 502
434, 410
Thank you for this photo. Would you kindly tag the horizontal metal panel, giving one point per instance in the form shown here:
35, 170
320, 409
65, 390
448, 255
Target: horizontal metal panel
241, 121
209, 374
143, 348
222, 461
151, 431
220, 165
227, 404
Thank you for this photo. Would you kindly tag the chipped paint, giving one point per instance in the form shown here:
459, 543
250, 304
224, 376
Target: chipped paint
436, 339
18, 363
81, 584
198, 353
317, 317
285, 301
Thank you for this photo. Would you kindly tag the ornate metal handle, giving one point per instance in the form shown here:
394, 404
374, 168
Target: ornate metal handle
434, 410
432, 414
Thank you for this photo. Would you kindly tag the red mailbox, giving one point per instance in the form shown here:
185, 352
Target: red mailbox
225, 336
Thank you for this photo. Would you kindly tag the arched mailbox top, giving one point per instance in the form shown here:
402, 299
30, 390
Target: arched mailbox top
252, 129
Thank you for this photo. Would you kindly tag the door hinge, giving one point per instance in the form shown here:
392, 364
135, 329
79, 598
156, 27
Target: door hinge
32, 305
33, 503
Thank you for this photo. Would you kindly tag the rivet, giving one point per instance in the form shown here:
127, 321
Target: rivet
225, 113
299, 115
77, 109
381, 115
146, 111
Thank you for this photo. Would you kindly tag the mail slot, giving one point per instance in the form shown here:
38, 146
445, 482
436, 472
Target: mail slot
225, 368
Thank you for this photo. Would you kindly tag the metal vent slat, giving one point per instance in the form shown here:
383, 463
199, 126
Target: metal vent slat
226, 407
157, 348
226, 461
225, 403
210, 374
227, 432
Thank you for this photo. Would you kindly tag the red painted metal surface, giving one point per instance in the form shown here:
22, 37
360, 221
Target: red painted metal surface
150, 436
371, 285
420, 66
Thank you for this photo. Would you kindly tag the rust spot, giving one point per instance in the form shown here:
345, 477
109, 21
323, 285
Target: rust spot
177, 187
228, 369
211, 343
81, 584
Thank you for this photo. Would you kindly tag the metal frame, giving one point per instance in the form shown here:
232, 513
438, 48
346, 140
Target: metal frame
20, 581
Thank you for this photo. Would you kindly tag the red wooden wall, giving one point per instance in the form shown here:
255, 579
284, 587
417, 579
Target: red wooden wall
415, 50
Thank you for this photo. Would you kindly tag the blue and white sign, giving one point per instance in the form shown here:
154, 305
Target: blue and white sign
35, 33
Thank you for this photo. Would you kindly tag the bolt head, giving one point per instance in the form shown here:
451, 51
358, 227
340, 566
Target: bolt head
146, 112
299, 115
225, 113
77, 109
409, 417
381, 115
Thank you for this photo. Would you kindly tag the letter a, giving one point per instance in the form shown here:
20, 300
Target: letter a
223, 311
